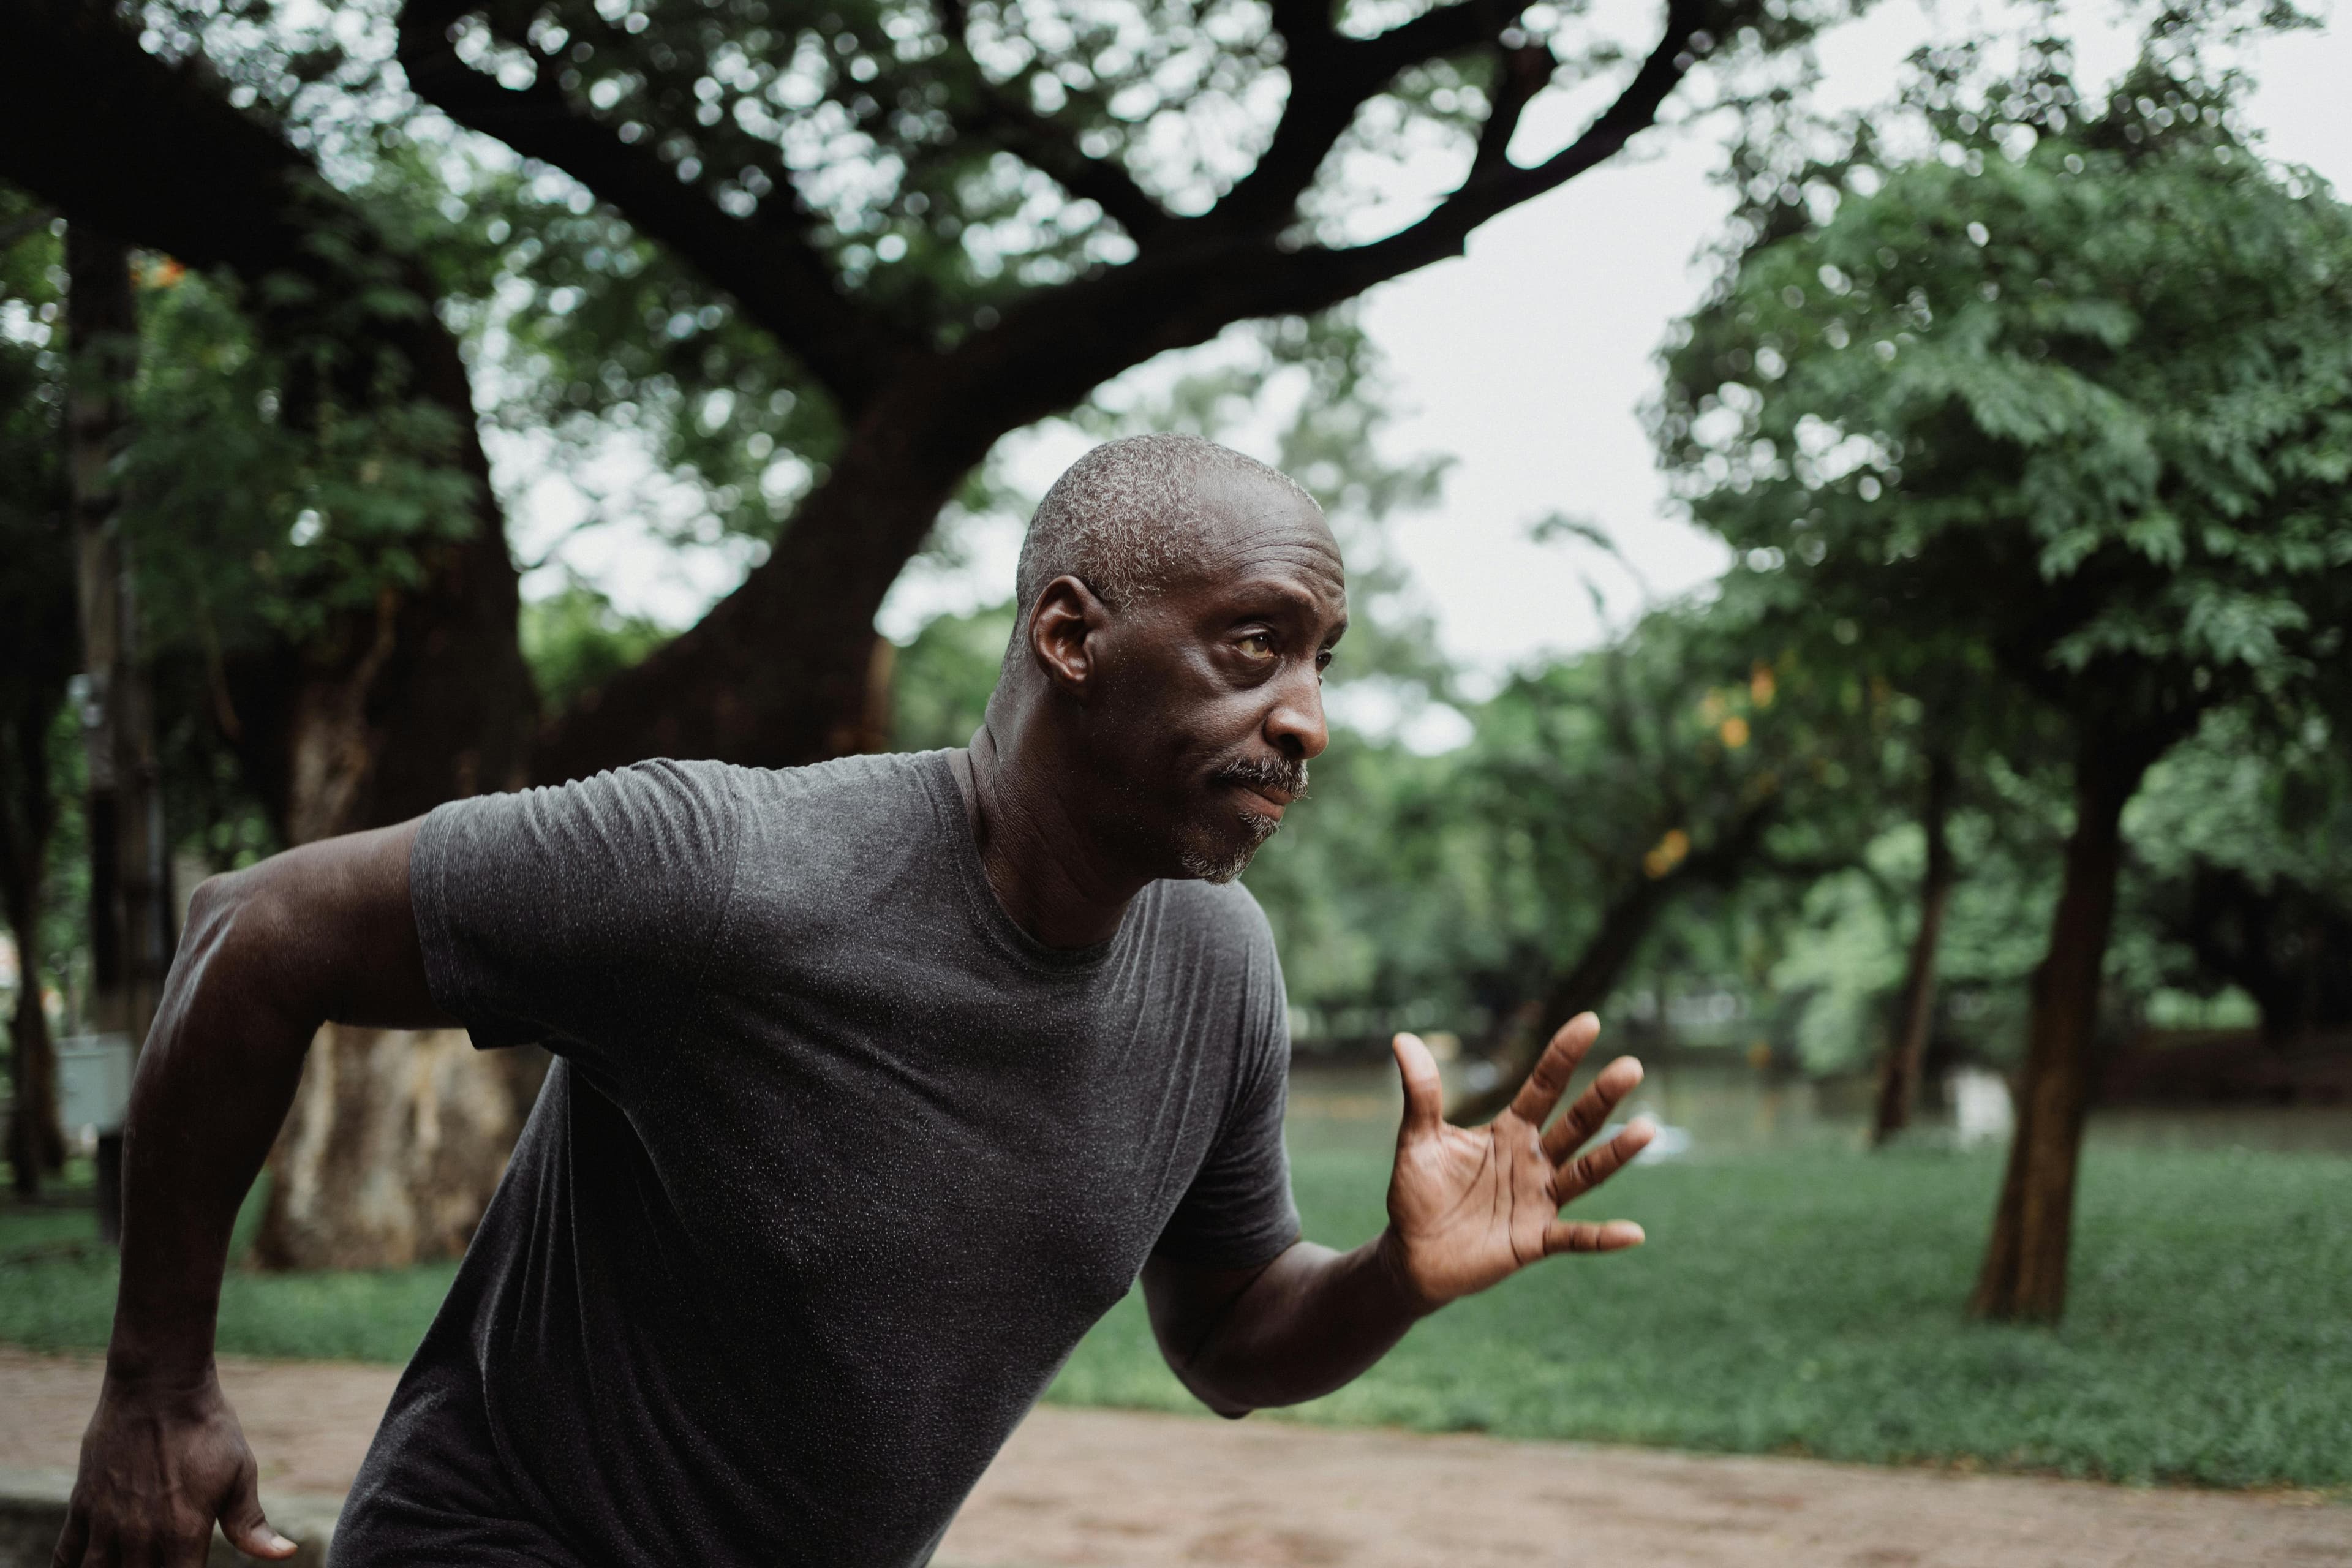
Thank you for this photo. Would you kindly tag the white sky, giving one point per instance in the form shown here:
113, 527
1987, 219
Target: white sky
1527, 361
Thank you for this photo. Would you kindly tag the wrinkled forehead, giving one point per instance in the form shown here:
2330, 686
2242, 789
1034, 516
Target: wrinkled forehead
1247, 525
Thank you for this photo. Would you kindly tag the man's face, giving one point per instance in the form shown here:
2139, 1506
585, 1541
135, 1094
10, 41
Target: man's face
1211, 701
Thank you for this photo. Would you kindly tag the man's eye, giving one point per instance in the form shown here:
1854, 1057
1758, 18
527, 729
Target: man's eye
1257, 645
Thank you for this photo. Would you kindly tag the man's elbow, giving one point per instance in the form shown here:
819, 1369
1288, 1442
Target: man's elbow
1221, 1401
245, 938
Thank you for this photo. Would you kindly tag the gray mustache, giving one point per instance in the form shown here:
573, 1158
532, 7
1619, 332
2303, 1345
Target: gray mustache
1287, 776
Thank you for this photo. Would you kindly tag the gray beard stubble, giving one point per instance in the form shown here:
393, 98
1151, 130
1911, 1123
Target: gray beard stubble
1220, 869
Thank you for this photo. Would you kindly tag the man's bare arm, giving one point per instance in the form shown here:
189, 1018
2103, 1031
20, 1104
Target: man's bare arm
1308, 1323
321, 934
1467, 1208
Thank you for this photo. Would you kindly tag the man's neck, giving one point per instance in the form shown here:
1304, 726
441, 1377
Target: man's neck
1040, 857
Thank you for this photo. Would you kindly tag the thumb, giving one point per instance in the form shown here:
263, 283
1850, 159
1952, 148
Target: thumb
242, 1523
1424, 1091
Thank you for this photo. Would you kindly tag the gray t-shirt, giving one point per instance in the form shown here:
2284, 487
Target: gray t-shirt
835, 1166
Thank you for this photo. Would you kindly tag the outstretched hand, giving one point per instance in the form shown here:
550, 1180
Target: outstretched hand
1469, 1207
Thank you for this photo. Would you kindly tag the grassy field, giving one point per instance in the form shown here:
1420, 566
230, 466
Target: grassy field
1788, 1303
1810, 1304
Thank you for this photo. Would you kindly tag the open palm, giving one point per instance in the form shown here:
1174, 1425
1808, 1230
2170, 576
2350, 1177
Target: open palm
1469, 1207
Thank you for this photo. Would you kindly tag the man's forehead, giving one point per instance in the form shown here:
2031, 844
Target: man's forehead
1243, 522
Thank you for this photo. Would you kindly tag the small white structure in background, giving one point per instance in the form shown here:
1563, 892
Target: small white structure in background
1669, 1142
93, 1085
1981, 1109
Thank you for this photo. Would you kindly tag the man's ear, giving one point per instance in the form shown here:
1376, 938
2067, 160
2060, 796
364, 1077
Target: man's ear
1064, 632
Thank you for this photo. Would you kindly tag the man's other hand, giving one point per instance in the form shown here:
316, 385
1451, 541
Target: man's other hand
1469, 1207
158, 1467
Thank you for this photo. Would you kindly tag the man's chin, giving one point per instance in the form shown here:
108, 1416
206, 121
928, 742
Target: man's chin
1220, 857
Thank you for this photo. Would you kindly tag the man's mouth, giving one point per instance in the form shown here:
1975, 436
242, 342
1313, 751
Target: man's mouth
1265, 801
1265, 788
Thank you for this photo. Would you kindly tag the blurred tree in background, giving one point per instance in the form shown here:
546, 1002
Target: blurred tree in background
2079, 393
39, 651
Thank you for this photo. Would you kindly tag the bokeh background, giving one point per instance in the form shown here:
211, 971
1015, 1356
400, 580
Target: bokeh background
1850, 523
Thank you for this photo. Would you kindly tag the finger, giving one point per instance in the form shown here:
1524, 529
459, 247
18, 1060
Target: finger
71, 1541
1591, 1111
1589, 1169
1424, 1091
1583, 1236
1554, 1068
247, 1528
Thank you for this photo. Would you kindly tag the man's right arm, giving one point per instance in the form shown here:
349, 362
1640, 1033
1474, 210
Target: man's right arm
325, 933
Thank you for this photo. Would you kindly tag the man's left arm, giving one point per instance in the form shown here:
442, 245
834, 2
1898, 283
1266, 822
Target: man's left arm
1467, 1208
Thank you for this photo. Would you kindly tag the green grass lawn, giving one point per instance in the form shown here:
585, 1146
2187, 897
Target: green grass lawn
1787, 1303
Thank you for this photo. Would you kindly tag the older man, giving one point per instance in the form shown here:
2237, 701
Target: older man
877, 1082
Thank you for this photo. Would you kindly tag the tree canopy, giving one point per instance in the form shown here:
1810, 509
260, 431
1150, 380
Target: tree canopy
2075, 390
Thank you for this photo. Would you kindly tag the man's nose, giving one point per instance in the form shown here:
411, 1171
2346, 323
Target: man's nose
1294, 726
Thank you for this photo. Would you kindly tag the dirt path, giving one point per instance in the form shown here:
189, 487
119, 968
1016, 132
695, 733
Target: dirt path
1109, 1489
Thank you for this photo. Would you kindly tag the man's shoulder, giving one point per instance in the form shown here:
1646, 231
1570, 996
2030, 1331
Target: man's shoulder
724, 806
1226, 913
884, 781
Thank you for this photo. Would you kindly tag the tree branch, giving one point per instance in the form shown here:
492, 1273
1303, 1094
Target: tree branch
1054, 347
1519, 75
1316, 278
1330, 78
765, 262
1048, 147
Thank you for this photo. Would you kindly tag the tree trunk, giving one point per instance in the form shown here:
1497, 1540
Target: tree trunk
2025, 1273
781, 672
37, 1144
396, 1139
1625, 925
392, 1149
1915, 1014
1585, 985
39, 653
129, 897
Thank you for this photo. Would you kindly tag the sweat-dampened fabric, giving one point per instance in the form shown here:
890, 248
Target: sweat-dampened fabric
835, 1166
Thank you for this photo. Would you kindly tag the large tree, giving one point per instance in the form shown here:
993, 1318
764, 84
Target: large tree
2079, 390
826, 254
955, 219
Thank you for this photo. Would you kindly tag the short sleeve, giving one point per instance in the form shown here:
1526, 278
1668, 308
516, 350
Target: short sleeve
1238, 1212
561, 915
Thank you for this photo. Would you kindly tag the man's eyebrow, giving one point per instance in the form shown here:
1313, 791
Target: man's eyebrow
1295, 598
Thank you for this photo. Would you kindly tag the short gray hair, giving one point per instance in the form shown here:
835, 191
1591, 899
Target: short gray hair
1122, 518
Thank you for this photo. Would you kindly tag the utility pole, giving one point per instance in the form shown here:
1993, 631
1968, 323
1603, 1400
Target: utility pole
131, 937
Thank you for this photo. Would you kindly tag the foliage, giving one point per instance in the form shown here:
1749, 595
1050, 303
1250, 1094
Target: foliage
262, 505
942, 168
2048, 419
2078, 391
1838, 956
2239, 866
902, 179
940, 680
1676, 758
575, 639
